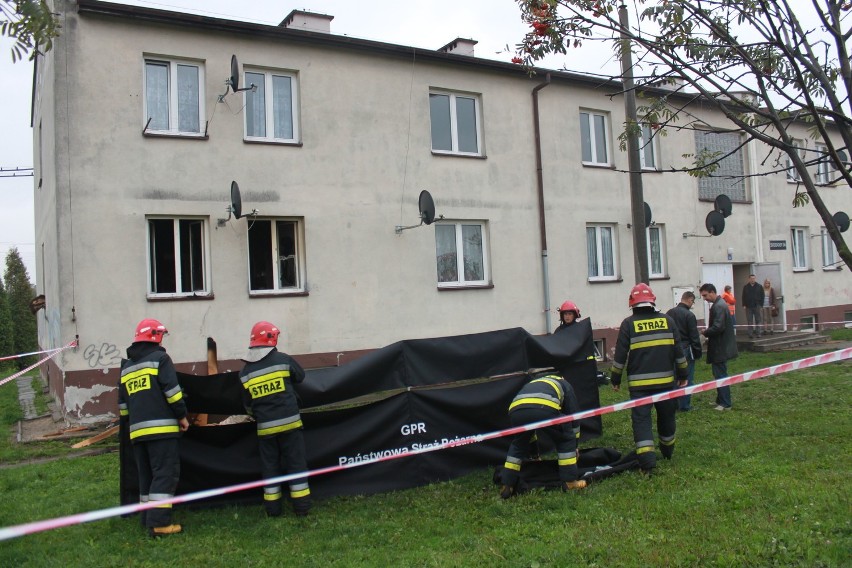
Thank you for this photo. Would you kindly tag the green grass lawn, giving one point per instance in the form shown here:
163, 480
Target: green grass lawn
766, 484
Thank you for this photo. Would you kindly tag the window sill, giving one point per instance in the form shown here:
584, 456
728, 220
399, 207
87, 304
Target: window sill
607, 281
651, 171
458, 155
738, 201
271, 142
661, 277
177, 135
796, 270
832, 268
278, 294
465, 287
182, 298
604, 165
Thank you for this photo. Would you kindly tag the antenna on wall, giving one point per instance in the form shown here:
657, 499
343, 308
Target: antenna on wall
715, 220
233, 82
427, 212
235, 207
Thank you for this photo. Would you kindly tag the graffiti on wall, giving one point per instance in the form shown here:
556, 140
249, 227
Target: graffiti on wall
103, 355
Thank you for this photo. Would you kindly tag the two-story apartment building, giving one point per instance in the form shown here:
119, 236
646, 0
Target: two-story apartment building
138, 140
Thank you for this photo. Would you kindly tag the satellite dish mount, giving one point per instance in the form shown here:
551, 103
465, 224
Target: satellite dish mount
427, 212
233, 82
236, 206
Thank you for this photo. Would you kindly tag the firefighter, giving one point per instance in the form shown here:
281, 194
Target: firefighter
648, 347
543, 399
569, 313
268, 379
150, 396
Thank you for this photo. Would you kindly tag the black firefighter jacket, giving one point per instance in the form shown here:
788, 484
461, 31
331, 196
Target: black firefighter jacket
648, 347
149, 393
269, 394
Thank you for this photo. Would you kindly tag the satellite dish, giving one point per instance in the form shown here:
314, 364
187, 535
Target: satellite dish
427, 207
842, 155
715, 223
236, 200
647, 214
234, 79
841, 219
722, 204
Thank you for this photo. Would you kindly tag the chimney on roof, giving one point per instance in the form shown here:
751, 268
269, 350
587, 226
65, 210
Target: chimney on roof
308, 21
460, 46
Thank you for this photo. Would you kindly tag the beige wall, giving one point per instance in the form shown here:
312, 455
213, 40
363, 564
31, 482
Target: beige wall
364, 159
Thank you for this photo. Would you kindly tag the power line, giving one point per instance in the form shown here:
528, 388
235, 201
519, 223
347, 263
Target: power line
15, 172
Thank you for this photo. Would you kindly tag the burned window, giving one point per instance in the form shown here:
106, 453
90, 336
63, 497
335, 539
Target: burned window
176, 256
275, 255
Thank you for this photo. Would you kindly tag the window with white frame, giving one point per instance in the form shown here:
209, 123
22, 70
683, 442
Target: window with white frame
174, 96
647, 148
456, 123
177, 253
461, 253
271, 106
656, 251
594, 133
276, 256
601, 247
729, 177
799, 239
825, 173
829, 251
793, 175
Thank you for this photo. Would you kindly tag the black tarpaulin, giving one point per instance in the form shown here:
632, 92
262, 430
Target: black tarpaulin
432, 391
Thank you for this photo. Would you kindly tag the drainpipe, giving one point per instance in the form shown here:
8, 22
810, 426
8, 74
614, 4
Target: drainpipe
542, 224
755, 197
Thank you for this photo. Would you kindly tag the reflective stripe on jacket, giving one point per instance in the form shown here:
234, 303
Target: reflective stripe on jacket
268, 392
149, 393
648, 348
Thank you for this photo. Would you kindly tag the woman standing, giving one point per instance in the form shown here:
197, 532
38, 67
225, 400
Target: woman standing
770, 311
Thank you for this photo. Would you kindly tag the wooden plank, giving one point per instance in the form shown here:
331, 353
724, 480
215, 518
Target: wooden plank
95, 439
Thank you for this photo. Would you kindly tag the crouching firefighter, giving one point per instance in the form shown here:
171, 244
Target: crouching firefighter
648, 346
150, 396
544, 398
268, 379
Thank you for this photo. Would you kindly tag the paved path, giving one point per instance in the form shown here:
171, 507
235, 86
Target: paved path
26, 396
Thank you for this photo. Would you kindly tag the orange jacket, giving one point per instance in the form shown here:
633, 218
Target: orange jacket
731, 301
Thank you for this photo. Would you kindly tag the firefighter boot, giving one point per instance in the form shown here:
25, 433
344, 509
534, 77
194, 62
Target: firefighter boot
667, 451
507, 491
302, 506
572, 485
164, 531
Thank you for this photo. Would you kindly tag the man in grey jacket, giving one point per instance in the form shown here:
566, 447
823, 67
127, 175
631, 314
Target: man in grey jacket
721, 342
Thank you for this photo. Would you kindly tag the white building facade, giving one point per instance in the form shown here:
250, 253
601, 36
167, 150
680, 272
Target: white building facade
137, 147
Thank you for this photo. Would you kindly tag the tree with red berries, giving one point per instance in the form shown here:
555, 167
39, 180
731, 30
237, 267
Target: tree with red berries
763, 64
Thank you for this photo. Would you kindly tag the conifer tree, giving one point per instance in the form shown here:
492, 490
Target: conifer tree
19, 293
7, 340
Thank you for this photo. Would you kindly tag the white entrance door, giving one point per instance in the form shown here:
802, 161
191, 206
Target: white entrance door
719, 275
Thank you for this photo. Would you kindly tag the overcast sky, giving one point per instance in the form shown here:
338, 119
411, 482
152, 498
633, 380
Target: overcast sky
430, 24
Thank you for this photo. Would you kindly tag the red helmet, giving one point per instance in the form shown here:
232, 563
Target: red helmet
641, 295
150, 330
264, 334
569, 306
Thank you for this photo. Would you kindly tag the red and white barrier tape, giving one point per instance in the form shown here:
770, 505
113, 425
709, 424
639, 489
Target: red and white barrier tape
40, 526
53, 353
9, 357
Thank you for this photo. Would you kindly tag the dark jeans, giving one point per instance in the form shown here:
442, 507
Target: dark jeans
754, 320
723, 394
685, 402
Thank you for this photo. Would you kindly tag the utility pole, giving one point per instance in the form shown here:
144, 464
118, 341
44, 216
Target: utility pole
637, 200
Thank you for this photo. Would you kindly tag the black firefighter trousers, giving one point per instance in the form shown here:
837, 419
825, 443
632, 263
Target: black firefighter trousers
643, 434
158, 463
